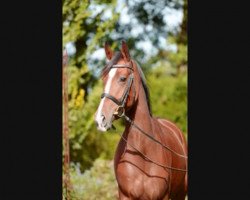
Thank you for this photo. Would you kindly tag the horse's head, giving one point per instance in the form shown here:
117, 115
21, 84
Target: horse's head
119, 90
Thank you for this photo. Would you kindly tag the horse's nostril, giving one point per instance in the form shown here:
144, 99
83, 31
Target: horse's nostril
103, 118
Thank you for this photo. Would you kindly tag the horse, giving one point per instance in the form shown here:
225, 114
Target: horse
151, 158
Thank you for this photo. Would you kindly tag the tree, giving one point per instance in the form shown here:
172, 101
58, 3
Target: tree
149, 16
86, 26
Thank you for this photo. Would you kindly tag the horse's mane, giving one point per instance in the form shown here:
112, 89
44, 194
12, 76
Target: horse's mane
114, 61
144, 84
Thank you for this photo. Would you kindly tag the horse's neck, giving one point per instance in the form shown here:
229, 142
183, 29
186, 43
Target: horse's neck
140, 115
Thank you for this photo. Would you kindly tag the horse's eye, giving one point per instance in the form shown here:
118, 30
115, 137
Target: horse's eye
122, 78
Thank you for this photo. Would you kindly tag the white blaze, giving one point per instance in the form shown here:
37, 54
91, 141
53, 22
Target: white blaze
99, 117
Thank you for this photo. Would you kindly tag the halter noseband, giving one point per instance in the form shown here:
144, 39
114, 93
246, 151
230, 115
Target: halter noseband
121, 101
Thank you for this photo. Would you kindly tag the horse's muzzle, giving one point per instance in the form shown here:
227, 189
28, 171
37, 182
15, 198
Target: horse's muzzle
103, 124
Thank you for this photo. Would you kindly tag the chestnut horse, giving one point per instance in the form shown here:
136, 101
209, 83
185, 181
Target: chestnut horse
151, 157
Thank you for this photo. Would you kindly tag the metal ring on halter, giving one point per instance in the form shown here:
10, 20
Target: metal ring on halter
120, 111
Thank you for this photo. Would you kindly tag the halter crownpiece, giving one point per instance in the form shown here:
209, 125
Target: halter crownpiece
123, 66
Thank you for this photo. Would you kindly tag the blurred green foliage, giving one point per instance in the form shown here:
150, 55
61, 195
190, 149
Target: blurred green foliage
86, 26
169, 96
98, 182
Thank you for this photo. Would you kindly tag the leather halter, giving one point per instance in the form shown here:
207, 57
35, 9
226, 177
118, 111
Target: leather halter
121, 101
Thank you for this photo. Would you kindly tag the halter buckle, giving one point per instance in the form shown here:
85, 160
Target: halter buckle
119, 111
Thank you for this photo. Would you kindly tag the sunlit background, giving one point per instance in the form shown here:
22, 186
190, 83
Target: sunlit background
156, 34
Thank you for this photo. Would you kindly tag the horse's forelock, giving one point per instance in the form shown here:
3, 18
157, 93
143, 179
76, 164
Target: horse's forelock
112, 62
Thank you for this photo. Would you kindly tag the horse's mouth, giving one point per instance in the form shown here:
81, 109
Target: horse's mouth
103, 128
106, 126
110, 124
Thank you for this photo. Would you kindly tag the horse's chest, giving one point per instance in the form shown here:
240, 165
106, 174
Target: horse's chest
141, 183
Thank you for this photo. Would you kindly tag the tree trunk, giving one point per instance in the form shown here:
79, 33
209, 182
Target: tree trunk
66, 158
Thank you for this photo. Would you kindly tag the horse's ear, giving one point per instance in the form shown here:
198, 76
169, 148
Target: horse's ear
108, 51
125, 52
